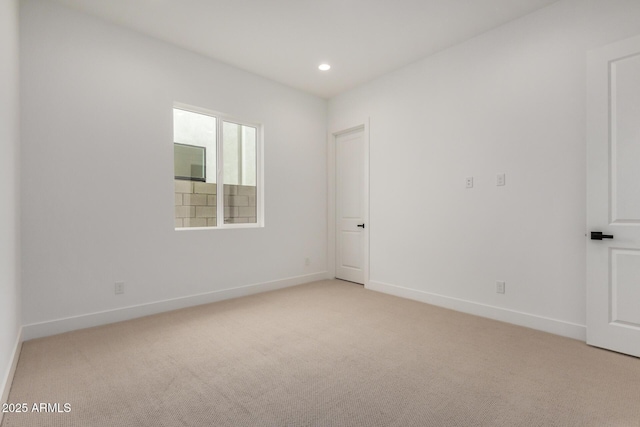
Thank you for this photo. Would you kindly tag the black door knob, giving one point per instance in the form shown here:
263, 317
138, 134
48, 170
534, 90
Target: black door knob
361, 225
597, 235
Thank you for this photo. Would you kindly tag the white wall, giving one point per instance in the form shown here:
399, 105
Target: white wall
97, 173
9, 197
511, 100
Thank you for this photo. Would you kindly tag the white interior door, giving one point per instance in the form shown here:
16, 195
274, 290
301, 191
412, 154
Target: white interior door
613, 197
350, 206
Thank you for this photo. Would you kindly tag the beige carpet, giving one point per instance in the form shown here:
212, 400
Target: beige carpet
324, 354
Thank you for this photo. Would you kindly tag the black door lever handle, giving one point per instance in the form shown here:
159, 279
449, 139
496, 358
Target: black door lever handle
361, 225
597, 235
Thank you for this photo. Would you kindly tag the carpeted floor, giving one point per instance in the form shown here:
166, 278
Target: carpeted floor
323, 354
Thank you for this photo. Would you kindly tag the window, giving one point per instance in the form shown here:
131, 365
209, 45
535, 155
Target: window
217, 170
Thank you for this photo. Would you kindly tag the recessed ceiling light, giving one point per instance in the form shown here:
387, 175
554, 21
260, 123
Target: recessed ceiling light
324, 67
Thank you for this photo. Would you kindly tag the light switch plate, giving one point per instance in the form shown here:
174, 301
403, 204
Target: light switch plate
500, 179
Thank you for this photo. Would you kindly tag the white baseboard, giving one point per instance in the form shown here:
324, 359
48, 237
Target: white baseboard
554, 326
8, 378
58, 326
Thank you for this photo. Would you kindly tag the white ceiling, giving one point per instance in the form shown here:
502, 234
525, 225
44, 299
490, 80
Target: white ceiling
286, 40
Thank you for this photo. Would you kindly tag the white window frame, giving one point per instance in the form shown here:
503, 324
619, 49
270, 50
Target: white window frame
220, 119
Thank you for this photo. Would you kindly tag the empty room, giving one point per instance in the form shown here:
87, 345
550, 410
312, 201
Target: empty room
320, 213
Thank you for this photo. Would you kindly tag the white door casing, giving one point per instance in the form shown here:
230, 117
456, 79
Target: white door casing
613, 197
351, 202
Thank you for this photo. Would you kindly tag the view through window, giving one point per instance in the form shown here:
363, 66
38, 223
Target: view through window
212, 180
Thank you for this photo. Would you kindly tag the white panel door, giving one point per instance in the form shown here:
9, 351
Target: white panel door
613, 197
350, 206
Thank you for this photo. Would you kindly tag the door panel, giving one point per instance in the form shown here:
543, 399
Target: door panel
625, 112
625, 289
613, 197
350, 197
351, 244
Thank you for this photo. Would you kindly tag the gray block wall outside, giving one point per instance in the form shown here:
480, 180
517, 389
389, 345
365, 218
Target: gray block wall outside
196, 204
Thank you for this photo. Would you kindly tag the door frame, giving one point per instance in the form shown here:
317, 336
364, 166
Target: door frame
332, 204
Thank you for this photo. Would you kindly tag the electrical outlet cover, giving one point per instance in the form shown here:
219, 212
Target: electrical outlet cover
119, 288
469, 182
